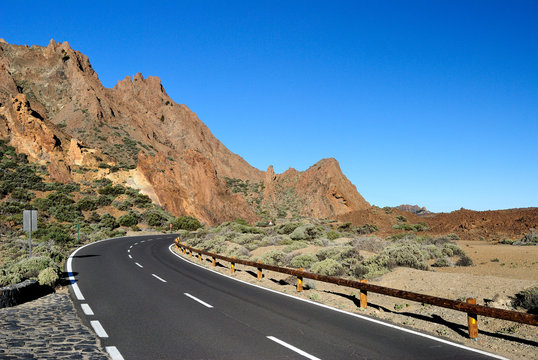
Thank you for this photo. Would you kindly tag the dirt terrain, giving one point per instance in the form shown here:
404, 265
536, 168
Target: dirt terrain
467, 224
492, 283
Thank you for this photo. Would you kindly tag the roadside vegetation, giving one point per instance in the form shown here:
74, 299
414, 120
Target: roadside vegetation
69, 215
324, 248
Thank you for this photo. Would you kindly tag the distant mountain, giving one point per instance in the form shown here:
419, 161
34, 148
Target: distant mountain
415, 209
54, 108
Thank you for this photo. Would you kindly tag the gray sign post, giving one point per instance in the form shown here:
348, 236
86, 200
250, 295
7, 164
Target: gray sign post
29, 223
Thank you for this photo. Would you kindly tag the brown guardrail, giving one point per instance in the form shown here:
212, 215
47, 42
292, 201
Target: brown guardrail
470, 307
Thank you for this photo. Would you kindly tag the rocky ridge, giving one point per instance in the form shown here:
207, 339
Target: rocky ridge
54, 108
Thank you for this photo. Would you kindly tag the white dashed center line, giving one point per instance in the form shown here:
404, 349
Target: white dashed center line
114, 353
198, 300
137, 264
130, 257
291, 347
159, 278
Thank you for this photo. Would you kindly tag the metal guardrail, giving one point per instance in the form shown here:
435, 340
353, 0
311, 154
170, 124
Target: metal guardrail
470, 306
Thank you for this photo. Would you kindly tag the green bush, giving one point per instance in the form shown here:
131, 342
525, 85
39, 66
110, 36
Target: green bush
127, 220
108, 222
30, 268
273, 257
333, 235
464, 260
94, 217
155, 219
411, 227
441, 262
328, 267
303, 261
327, 253
111, 190
48, 276
305, 232
87, 203
366, 229
286, 229
186, 223
104, 200
296, 245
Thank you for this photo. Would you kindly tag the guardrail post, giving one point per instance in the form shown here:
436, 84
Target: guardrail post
232, 267
364, 293
300, 282
199, 257
214, 261
472, 321
260, 275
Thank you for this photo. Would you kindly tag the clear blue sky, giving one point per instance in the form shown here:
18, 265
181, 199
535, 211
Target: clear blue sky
424, 102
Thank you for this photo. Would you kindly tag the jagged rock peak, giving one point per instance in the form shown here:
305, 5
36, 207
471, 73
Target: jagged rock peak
3, 41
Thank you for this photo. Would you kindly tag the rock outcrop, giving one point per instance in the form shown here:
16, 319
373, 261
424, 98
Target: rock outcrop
54, 108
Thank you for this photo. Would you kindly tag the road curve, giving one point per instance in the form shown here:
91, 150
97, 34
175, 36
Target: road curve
147, 303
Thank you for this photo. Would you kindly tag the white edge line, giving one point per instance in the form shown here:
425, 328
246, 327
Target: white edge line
74, 285
291, 347
139, 265
114, 353
98, 328
87, 309
159, 278
69, 268
198, 300
346, 312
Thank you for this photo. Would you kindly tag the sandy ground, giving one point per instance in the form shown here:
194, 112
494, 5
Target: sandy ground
489, 281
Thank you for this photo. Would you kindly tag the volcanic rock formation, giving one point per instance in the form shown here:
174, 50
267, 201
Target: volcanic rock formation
54, 109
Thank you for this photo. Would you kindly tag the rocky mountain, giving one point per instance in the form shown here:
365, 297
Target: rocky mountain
415, 209
54, 108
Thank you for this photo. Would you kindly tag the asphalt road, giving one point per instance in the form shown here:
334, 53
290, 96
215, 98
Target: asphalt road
147, 303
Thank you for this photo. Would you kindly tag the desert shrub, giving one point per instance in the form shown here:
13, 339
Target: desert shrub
215, 245
57, 234
327, 253
387, 209
433, 251
247, 229
527, 299
401, 218
286, 229
9, 278
273, 257
127, 220
113, 190
405, 254
369, 243
48, 276
94, 217
296, 245
241, 222
305, 232
346, 253
303, 261
328, 267
464, 260
68, 213
42, 204
530, 239
141, 200
333, 235
366, 229
186, 223
154, 219
442, 262
345, 227
108, 222
450, 250
58, 198
87, 203
30, 268
123, 205
238, 252
21, 194
104, 200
